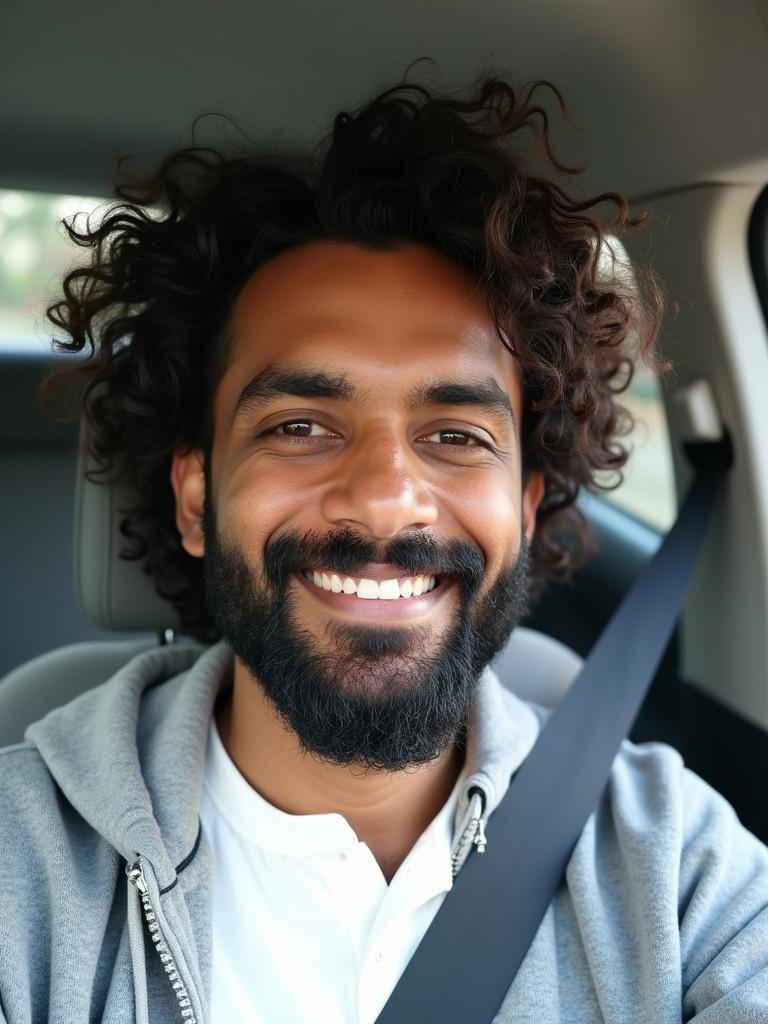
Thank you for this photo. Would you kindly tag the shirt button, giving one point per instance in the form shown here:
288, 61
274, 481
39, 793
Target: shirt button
343, 856
379, 956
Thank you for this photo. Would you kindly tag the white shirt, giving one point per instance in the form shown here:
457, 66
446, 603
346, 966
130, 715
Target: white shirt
305, 928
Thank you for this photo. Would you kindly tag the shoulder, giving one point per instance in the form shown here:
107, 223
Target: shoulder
662, 834
661, 829
24, 779
651, 796
645, 786
35, 816
650, 788
703, 863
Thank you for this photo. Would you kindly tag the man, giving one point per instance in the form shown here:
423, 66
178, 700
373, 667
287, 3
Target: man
355, 401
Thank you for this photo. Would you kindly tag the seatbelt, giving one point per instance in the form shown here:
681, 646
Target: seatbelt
470, 955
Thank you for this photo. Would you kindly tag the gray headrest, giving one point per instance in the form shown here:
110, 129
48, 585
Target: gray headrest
113, 593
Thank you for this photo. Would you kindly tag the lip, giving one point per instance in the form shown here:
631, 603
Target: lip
360, 608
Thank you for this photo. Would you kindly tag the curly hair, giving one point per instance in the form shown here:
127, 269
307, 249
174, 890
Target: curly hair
168, 260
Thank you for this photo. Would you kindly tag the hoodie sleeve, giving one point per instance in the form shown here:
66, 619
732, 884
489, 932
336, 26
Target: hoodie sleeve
723, 908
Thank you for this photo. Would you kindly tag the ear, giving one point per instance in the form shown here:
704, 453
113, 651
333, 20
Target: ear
532, 495
188, 482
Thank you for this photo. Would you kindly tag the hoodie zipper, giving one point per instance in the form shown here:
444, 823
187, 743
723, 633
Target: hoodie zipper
136, 877
473, 833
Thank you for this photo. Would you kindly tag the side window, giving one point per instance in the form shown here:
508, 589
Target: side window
648, 487
34, 254
647, 490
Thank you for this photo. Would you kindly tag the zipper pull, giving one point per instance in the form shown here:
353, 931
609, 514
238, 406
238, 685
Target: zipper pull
478, 823
480, 840
136, 877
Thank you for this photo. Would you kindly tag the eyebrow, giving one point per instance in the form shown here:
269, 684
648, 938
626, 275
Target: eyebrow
279, 381
485, 394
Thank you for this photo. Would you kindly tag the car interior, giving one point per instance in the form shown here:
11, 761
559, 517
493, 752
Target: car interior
663, 104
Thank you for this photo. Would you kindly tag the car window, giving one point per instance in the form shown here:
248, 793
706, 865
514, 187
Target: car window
34, 254
647, 490
646, 486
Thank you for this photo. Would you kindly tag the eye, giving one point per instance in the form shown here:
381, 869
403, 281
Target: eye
461, 438
287, 426
298, 428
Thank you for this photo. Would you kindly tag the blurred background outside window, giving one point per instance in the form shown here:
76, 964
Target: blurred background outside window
35, 252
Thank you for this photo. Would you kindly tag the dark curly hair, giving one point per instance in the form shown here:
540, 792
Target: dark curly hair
458, 174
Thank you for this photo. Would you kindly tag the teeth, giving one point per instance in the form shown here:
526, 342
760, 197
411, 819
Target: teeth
388, 590
384, 590
368, 589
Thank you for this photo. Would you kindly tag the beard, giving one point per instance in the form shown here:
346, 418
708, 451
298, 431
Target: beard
380, 697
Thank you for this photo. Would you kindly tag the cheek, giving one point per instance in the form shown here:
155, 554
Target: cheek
491, 517
250, 513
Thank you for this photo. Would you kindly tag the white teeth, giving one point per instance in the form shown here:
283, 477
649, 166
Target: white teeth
388, 590
367, 590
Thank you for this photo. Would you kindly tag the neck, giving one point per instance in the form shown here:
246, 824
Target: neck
388, 811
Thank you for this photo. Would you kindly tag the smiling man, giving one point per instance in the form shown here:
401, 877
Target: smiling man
388, 567
354, 399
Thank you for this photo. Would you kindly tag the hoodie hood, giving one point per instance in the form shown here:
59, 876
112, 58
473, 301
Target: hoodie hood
129, 754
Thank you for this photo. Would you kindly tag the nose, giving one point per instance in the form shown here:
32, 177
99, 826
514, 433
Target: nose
379, 488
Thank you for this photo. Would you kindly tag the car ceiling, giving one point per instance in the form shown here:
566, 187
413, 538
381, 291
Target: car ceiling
663, 94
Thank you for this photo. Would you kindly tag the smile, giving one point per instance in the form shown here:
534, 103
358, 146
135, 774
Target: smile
360, 600
367, 589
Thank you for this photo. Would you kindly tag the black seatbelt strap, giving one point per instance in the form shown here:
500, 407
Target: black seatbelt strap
471, 953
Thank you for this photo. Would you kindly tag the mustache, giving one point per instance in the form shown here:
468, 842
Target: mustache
346, 553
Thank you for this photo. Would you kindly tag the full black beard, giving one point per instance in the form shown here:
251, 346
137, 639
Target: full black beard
385, 697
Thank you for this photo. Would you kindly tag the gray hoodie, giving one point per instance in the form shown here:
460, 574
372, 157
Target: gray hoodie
663, 916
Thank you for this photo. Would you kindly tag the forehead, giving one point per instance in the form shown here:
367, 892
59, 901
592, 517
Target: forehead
383, 318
